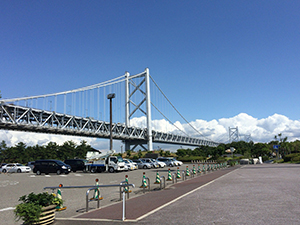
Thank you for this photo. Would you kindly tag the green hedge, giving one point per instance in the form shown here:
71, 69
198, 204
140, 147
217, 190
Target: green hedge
294, 157
190, 158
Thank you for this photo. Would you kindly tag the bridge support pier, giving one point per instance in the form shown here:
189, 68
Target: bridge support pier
135, 144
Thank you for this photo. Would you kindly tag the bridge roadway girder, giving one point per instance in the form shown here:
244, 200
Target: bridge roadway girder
21, 118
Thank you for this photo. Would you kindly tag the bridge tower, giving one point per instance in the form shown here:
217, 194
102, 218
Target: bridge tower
132, 105
233, 134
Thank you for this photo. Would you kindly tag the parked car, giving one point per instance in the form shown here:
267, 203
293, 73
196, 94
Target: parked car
51, 166
135, 166
148, 160
15, 168
167, 161
2, 164
76, 164
161, 164
141, 164
176, 162
30, 164
129, 164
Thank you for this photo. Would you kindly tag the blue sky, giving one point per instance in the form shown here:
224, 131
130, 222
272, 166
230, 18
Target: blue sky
227, 57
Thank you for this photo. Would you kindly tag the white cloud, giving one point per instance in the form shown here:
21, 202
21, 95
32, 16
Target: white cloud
261, 130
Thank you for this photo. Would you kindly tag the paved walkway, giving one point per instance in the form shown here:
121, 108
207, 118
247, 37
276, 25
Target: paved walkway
252, 194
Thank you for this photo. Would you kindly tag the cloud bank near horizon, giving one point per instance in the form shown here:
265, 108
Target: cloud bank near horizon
261, 130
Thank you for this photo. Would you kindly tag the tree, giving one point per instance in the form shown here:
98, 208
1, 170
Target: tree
67, 151
82, 149
261, 149
128, 152
140, 154
3, 148
181, 152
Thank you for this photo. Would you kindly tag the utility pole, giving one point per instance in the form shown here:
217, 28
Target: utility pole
110, 97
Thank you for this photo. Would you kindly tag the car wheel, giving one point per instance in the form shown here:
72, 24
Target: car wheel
93, 170
38, 172
19, 171
4, 171
58, 172
111, 170
145, 167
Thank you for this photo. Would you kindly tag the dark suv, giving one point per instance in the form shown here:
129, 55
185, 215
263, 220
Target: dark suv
76, 164
50, 166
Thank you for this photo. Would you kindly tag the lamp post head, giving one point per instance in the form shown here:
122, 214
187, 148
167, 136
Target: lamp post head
111, 96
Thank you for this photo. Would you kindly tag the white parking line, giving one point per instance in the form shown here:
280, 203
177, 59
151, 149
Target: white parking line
6, 209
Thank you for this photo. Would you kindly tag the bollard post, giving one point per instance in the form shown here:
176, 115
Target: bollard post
144, 183
123, 216
187, 171
164, 180
157, 180
178, 174
169, 175
126, 189
173, 178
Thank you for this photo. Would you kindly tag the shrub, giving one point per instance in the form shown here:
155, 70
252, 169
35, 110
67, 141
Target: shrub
265, 158
190, 158
294, 157
31, 207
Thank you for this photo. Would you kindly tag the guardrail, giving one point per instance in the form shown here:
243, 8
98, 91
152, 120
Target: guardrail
93, 187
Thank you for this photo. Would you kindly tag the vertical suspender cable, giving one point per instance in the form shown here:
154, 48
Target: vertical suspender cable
98, 104
65, 103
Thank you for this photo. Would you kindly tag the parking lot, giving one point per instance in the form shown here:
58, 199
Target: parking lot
14, 185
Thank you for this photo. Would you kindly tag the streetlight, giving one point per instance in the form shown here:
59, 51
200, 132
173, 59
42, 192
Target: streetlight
110, 97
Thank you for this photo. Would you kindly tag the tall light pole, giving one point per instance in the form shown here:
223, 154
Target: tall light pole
110, 97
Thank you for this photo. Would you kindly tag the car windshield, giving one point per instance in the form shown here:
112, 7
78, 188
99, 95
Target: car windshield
120, 160
19, 164
60, 163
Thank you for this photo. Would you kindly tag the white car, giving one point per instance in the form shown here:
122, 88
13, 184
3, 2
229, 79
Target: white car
161, 164
167, 161
135, 166
176, 162
131, 165
179, 163
15, 168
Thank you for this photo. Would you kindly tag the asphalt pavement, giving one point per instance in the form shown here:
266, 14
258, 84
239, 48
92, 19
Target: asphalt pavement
250, 194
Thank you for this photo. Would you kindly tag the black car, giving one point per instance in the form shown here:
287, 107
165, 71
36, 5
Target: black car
76, 164
51, 166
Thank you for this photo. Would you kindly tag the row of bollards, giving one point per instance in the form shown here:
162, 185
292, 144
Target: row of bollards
146, 181
175, 176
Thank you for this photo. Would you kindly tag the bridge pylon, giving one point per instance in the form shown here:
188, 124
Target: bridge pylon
233, 134
133, 105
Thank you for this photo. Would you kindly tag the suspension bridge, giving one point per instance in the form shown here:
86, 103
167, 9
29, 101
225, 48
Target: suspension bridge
138, 106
